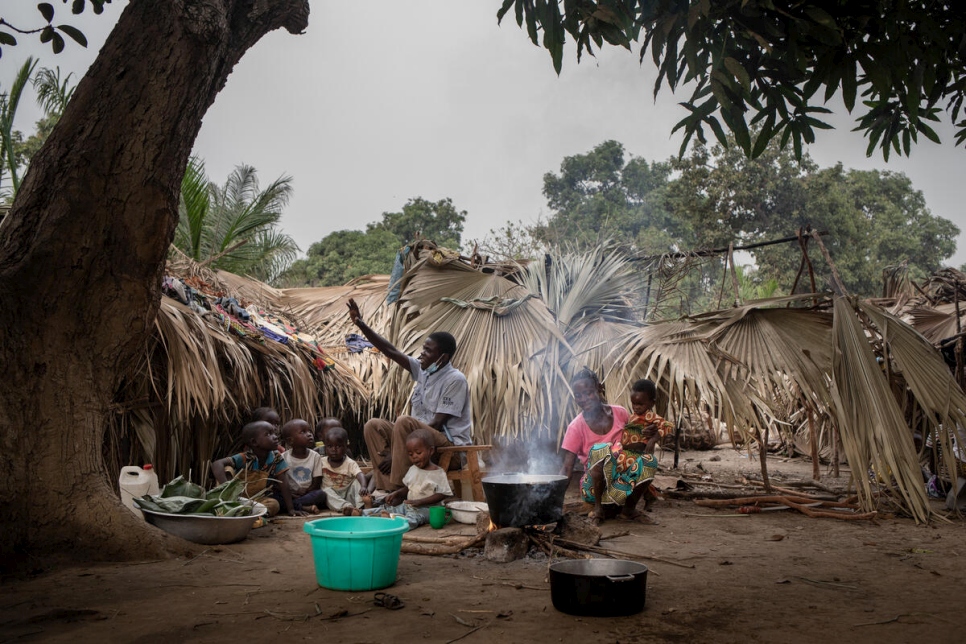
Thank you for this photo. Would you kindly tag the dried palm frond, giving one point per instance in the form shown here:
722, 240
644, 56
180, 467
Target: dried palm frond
936, 323
896, 282
679, 358
593, 346
251, 290
790, 349
945, 285
872, 427
583, 287
325, 316
923, 371
323, 309
508, 344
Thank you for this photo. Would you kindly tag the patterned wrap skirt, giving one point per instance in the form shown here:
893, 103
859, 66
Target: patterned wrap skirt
623, 471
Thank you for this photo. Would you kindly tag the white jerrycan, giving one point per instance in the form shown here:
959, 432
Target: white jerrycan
135, 482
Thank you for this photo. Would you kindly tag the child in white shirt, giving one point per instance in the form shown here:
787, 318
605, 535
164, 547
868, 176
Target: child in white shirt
304, 474
425, 484
343, 482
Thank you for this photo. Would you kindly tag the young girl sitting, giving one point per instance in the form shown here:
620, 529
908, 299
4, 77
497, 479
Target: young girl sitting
620, 473
424, 484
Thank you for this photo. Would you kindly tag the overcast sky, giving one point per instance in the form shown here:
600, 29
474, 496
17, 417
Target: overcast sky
381, 101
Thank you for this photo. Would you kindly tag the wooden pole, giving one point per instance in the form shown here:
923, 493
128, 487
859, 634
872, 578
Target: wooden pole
813, 443
734, 274
835, 450
763, 455
837, 285
801, 264
719, 251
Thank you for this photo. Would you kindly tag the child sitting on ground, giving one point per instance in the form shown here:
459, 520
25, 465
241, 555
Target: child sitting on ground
620, 474
260, 466
304, 474
343, 482
321, 429
425, 484
271, 417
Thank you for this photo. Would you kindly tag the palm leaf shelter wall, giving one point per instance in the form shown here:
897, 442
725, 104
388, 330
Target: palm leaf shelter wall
856, 367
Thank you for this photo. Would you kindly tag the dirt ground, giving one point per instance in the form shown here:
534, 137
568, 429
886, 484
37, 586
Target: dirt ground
774, 577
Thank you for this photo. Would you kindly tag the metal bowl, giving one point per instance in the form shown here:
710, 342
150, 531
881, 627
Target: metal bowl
466, 511
208, 530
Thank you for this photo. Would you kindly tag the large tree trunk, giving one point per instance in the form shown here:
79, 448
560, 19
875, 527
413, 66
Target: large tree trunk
81, 259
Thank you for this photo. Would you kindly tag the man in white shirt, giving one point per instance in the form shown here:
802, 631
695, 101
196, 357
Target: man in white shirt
440, 402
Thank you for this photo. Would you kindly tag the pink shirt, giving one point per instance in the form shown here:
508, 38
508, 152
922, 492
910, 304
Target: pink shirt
579, 437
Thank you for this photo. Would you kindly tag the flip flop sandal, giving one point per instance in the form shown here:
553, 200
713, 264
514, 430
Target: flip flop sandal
385, 600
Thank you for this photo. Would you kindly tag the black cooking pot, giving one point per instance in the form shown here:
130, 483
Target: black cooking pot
518, 500
600, 587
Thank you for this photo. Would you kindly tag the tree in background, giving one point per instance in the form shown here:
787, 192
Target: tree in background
343, 256
233, 227
763, 62
717, 196
513, 240
439, 221
873, 219
599, 197
347, 254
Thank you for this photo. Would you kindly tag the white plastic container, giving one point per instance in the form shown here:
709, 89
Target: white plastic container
135, 482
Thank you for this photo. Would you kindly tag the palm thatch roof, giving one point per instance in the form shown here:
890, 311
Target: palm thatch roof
323, 310
198, 379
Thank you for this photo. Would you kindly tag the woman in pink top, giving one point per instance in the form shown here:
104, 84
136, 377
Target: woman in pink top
598, 422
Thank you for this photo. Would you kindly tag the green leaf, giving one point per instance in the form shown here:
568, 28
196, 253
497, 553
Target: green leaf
738, 72
928, 132
7, 39
822, 125
765, 135
820, 16
499, 14
719, 91
75, 34
77, 7
46, 10
531, 18
47, 34
848, 84
719, 132
58, 43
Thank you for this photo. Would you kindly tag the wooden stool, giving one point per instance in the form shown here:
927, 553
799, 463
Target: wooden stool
470, 476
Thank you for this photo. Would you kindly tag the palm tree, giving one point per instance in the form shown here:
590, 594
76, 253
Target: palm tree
53, 93
9, 101
233, 227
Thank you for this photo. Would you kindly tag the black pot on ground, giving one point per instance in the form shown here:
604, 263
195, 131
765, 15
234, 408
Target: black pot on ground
598, 587
519, 500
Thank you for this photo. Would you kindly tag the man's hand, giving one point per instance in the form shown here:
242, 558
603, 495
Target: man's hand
386, 465
354, 315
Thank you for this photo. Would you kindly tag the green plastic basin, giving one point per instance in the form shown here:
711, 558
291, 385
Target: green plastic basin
356, 553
